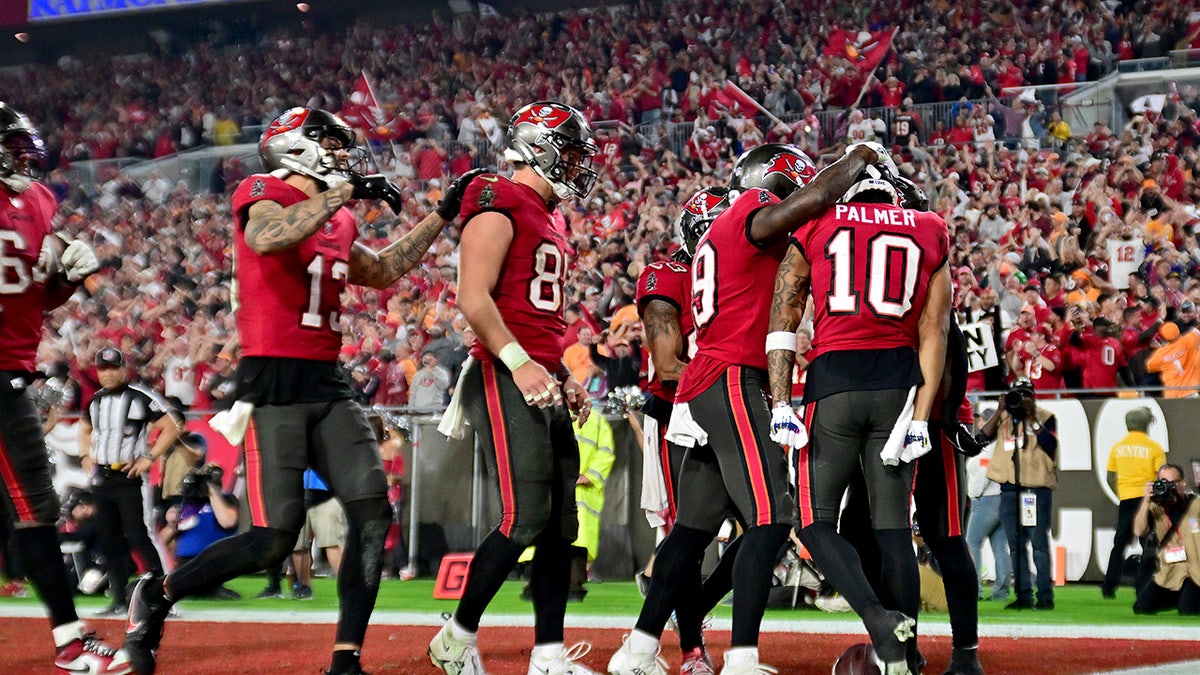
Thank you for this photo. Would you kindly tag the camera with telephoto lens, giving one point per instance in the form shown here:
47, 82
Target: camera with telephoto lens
1015, 397
194, 485
1162, 491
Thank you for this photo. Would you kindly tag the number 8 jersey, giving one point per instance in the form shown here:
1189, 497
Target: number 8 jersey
529, 292
287, 302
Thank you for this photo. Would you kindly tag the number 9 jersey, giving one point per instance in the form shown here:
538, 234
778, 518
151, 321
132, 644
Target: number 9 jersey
529, 291
287, 302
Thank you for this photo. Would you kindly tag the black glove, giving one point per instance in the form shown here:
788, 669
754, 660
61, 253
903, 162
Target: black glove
451, 202
376, 186
964, 441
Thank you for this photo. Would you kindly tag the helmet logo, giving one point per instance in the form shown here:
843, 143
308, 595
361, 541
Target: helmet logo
288, 121
796, 169
702, 203
545, 115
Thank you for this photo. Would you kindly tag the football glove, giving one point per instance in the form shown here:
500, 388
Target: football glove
376, 186
78, 260
916, 441
882, 156
965, 443
786, 428
451, 203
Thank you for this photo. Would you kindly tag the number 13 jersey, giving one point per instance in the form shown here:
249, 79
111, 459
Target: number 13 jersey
529, 291
287, 302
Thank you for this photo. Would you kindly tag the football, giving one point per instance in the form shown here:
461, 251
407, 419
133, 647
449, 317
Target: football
858, 659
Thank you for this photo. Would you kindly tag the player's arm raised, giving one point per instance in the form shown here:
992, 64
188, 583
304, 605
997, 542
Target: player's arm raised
787, 310
271, 227
814, 199
481, 256
380, 269
931, 348
663, 337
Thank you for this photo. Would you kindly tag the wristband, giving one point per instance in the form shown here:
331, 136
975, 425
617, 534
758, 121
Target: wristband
781, 339
513, 356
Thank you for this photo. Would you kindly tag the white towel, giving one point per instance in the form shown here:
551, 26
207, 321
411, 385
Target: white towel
654, 487
232, 423
683, 429
895, 442
454, 419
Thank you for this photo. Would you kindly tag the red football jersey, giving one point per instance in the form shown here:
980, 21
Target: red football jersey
732, 281
670, 282
529, 292
25, 222
1042, 378
871, 267
1098, 359
287, 302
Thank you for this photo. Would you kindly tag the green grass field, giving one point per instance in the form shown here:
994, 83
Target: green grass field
1077, 604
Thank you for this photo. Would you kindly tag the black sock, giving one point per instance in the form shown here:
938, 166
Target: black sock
752, 580
682, 548
902, 583
720, 581
689, 607
962, 588
229, 558
840, 564
367, 524
345, 661
549, 581
42, 561
493, 560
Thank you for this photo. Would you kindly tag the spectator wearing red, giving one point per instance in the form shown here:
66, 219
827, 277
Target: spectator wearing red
1097, 354
1041, 361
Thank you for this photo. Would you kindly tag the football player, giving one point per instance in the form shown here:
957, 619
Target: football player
880, 286
664, 294
295, 250
41, 269
720, 404
517, 394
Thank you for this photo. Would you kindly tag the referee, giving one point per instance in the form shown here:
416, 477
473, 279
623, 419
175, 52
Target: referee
113, 444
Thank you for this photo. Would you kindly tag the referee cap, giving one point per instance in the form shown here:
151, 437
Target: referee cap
110, 356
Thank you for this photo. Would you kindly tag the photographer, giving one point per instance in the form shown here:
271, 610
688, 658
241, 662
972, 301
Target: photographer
1170, 512
205, 514
1024, 464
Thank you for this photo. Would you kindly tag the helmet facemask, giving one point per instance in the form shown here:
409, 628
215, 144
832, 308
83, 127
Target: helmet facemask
555, 141
22, 153
313, 143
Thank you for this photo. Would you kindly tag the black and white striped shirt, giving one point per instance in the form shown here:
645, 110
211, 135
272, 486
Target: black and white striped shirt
121, 419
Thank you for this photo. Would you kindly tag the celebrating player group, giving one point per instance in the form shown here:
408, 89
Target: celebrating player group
776, 245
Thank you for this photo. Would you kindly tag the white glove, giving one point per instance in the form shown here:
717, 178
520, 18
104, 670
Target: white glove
78, 261
916, 441
786, 428
882, 156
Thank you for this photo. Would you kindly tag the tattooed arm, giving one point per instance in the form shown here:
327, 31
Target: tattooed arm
661, 320
271, 227
380, 269
810, 201
787, 309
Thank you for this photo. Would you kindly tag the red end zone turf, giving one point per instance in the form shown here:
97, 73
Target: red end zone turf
197, 648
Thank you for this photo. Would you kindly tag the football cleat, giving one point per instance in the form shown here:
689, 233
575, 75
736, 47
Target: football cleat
86, 655
455, 656
964, 662
625, 662
889, 631
697, 662
563, 663
144, 627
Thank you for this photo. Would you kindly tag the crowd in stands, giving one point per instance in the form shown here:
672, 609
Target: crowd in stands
1043, 217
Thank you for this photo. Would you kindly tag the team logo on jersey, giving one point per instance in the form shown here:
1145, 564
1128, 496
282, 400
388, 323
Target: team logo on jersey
487, 196
548, 116
795, 168
258, 188
702, 203
651, 282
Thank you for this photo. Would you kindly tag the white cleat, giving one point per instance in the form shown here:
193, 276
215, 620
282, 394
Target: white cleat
625, 662
455, 655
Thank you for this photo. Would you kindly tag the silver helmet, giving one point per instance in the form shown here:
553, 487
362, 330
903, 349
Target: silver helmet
21, 149
293, 141
555, 140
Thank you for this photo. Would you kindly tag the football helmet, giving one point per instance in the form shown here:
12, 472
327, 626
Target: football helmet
555, 140
21, 149
875, 184
293, 142
697, 216
911, 194
774, 167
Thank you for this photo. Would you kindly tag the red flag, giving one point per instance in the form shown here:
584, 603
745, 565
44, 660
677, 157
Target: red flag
864, 49
361, 108
741, 100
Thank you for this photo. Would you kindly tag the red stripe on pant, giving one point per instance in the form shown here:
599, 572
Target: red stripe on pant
254, 484
664, 458
15, 490
803, 477
953, 512
751, 453
495, 407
